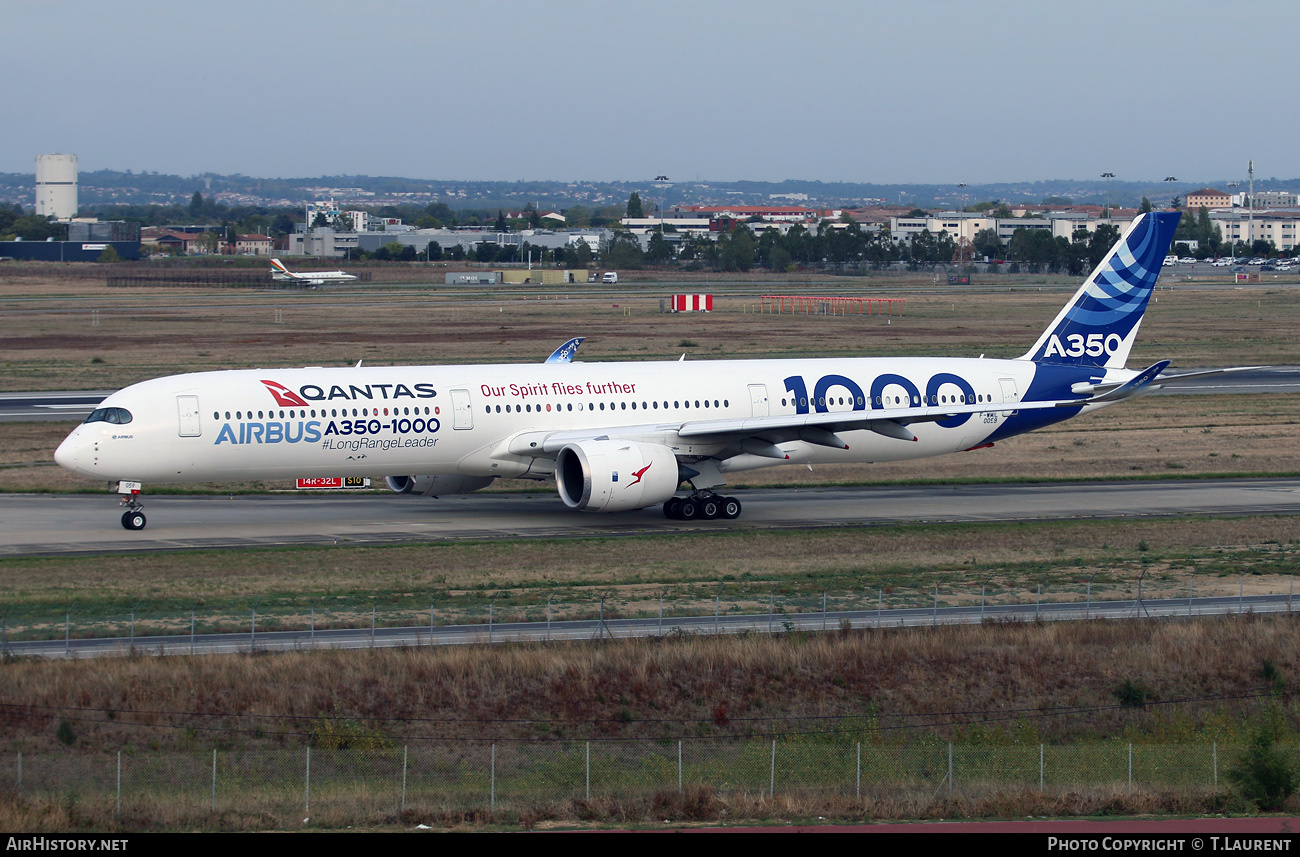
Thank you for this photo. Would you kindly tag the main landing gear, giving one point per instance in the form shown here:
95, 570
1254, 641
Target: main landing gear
702, 504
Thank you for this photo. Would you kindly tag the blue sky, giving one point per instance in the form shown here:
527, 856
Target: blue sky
711, 89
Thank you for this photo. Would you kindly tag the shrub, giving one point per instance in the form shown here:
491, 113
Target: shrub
1265, 774
1132, 694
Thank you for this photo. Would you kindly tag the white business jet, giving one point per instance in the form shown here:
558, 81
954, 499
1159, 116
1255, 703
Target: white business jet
281, 274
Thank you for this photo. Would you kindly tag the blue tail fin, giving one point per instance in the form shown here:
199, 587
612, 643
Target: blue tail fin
1097, 327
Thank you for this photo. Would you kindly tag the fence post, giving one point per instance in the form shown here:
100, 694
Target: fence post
859, 777
20, 770
1040, 768
950, 770
405, 749
492, 800
772, 777
307, 790
1215, 750
214, 780
1130, 767
679, 765
588, 770
119, 783
372, 626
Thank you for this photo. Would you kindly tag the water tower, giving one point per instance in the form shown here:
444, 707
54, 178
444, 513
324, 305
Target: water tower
56, 186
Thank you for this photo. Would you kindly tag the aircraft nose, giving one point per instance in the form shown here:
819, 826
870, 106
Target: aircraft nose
67, 455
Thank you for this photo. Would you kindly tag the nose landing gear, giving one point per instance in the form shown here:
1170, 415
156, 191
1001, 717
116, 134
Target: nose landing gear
702, 504
133, 518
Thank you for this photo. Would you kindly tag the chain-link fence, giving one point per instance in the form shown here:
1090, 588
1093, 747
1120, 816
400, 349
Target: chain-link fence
511, 779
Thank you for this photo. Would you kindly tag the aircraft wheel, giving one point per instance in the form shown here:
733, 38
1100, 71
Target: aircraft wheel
133, 520
688, 510
730, 508
710, 508
672, 509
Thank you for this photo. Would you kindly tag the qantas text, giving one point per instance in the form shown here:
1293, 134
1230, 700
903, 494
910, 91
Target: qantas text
313, 393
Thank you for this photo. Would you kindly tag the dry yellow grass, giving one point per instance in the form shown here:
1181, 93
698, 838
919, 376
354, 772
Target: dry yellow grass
996, 683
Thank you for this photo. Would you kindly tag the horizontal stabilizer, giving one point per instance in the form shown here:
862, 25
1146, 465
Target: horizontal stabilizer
1129, 388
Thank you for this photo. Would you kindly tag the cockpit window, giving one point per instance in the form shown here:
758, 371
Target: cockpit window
115, 416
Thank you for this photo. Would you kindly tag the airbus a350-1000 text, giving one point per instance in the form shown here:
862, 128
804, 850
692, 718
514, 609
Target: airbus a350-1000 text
622, 436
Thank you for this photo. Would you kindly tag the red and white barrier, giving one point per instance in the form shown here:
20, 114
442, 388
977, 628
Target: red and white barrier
692, 303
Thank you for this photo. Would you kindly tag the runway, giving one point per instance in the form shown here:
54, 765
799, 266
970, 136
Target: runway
62, 525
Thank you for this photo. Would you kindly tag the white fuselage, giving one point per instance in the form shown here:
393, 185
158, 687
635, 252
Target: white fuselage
472, 420
314, 278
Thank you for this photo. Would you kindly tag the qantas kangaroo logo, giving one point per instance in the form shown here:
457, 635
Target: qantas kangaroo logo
638, 474
284, 397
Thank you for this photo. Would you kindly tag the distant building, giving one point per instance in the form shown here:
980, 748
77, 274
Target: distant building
253, 244
1282, 228
1208, 197
1275, 199
103, 230
185, 243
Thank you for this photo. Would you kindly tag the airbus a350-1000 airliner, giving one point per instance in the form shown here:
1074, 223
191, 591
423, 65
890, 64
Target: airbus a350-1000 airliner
622, 436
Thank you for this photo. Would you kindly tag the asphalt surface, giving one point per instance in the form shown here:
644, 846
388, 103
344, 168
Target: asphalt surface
54, 524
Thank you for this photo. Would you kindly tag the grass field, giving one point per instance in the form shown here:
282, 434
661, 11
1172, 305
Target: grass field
856, 568
81, 335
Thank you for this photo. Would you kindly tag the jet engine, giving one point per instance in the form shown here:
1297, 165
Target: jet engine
439, 483
615, 475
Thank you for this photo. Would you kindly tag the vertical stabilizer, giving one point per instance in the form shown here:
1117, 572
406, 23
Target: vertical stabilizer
1097, 327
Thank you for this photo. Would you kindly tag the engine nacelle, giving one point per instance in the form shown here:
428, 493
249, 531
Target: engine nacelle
439, 483
615, 475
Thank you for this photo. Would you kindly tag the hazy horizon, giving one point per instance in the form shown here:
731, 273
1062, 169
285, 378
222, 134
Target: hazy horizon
933, 93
